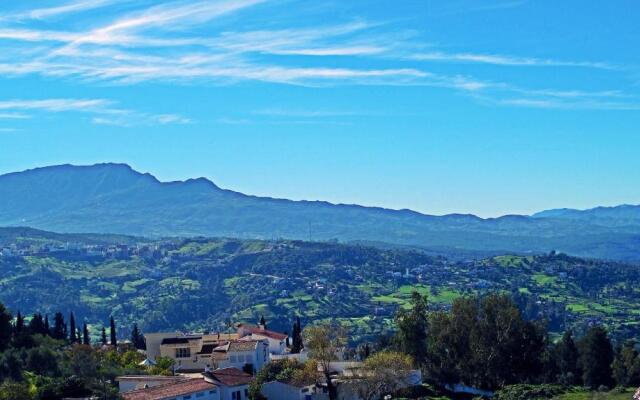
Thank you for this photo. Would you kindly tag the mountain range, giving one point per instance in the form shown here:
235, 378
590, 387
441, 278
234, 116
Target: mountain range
114, 198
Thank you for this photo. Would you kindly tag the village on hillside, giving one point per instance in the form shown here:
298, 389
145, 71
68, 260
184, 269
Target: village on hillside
223, 366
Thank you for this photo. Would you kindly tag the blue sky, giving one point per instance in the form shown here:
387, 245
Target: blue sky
487, 107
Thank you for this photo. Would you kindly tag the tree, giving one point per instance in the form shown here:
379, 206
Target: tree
626, 365
19, 329
5, 327
164, 366
324, 342
42, 360
137, 339
296, 337
36, 325
567, 360
72, 329
112, 332
383, 373
103, 336
412, 326
15, 391
85, 335
47, 328
484, 342
59, 327
263, 322
596, 356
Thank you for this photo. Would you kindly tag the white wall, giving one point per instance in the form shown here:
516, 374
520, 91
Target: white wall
280, 391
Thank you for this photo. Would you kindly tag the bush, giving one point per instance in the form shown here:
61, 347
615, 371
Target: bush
529, 392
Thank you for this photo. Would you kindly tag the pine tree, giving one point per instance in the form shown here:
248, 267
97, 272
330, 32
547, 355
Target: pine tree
412, 326
72, 329
626, 365
596, 356
567, 360
103, 337
85, 335
112, 332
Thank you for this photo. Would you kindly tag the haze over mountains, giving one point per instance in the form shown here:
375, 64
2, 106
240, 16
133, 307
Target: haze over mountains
113, 198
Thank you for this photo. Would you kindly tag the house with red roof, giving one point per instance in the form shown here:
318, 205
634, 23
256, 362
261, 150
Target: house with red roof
221, 384
277, 341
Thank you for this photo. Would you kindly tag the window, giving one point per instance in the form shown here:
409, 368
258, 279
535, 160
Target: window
232, 359
200, 394
187, 397
246, 393
183, 352
213, 391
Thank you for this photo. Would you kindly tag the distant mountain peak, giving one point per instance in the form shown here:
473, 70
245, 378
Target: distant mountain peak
115, 198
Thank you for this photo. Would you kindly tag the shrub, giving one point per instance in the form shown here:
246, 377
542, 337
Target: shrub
529, 392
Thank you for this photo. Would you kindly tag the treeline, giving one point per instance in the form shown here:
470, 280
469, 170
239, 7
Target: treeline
43, 360
485, 342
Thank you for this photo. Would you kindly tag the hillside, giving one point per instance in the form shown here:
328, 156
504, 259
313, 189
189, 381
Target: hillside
206, 283
113, 198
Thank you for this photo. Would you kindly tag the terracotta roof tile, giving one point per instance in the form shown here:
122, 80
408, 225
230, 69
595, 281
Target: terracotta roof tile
229, 376
170, 389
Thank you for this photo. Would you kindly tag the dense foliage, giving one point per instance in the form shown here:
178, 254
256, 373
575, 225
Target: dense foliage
485, 342
47, 363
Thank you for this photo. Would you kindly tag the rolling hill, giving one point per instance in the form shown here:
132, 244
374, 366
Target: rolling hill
114, 198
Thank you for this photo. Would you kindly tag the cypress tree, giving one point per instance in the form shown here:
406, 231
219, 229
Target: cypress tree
103, 338
296, 345
19, 324
85, 335
47, 328
5, 327
263, 322
112, 332
72, 329
59, 327
137, 339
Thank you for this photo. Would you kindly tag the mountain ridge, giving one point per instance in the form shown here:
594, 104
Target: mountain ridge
115, 198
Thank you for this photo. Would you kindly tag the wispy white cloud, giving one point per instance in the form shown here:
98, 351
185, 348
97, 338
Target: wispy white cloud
496, 59
57, 105
569, 104
170, 42
105, 111
67, 8
14, 116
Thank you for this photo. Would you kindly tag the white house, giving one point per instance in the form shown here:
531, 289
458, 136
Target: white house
195, 389
247, 355
277, 341
233, 383
191, 352
222, 384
